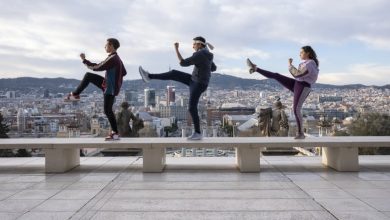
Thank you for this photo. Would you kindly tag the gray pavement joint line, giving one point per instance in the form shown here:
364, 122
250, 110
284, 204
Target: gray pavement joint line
104, 191
49, 197
330, 213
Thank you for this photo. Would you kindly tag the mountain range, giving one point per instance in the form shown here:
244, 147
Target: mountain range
218, 81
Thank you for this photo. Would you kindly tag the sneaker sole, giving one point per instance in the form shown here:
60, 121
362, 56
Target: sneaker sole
250, 65
111, 139
140, 70
70, 100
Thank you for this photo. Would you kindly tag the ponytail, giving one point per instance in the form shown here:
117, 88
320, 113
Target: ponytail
312, 54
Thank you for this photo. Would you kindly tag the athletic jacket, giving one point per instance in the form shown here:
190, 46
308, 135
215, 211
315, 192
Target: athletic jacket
203, 65
307, 71
115, 71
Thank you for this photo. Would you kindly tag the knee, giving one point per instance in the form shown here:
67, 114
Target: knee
88, 75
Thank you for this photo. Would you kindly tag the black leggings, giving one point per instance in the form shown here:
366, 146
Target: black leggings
196, 90
109, 100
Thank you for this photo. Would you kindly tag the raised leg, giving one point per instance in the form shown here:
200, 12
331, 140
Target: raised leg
341, 159
248, 159
153, 160
61, 160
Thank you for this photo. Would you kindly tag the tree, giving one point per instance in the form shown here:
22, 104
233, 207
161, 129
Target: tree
7, 152
371, 124
3, 128
3, 134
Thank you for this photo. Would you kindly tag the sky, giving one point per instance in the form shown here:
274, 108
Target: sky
43, 38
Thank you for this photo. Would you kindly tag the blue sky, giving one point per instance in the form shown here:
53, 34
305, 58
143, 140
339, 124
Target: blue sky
44, 38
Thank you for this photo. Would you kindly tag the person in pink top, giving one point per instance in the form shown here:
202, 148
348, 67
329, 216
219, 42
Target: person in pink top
304, 77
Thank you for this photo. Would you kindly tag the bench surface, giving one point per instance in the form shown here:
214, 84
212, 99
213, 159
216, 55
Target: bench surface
221, 142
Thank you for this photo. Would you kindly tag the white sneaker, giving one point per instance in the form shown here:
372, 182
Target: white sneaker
144, 74
195, 136
112, 137
252, 66
299, 137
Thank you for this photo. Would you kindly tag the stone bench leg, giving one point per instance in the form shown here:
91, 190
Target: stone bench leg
248, 159
153, 160
341, 159
61, 160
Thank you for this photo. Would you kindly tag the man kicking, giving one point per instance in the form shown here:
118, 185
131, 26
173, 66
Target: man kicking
110, 84
198, 82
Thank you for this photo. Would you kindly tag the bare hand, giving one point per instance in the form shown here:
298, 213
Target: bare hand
82, 56
176, 45
290, 61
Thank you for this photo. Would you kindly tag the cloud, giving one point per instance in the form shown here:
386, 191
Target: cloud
367, 74
45, 37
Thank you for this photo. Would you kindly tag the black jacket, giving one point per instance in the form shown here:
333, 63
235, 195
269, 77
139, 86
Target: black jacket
203, 65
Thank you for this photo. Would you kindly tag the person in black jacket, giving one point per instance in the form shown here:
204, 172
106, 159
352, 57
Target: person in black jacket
198, 82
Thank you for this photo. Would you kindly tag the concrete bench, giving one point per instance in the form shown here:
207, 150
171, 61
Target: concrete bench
340, 153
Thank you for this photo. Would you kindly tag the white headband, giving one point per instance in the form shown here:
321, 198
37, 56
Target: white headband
206, 44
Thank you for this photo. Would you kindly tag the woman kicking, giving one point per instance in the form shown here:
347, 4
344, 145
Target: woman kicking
198, 82
305, 76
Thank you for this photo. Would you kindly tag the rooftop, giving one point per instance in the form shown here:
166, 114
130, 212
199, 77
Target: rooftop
200, 188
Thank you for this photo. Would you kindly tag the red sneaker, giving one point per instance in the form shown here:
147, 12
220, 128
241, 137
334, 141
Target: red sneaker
72, 98
112, 137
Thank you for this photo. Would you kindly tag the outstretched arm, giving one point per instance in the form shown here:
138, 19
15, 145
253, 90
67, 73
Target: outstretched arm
179, 56
105, 65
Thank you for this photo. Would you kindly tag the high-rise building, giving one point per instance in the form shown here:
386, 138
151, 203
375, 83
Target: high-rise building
21, 120
131, 97
10, 94
262, 95
184, 101
150, 97
46, 94
170, 95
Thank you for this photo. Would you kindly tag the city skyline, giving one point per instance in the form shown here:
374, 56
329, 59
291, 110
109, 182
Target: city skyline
44, 39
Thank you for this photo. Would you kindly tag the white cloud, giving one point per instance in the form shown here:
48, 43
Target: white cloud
41, 35
367, 74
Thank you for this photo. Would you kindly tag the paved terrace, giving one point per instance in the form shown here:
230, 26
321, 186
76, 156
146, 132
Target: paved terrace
116, 188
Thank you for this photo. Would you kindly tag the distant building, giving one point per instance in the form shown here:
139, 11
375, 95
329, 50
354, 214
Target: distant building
99, 126
322, 99
170, 95
179, 112
68, 130
10, 94
236, 119
216, 114
46, 94
131, 97
184, 101
41, 126
150, 97
21, 120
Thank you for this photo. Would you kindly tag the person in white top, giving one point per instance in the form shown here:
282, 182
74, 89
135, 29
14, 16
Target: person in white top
304, 77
